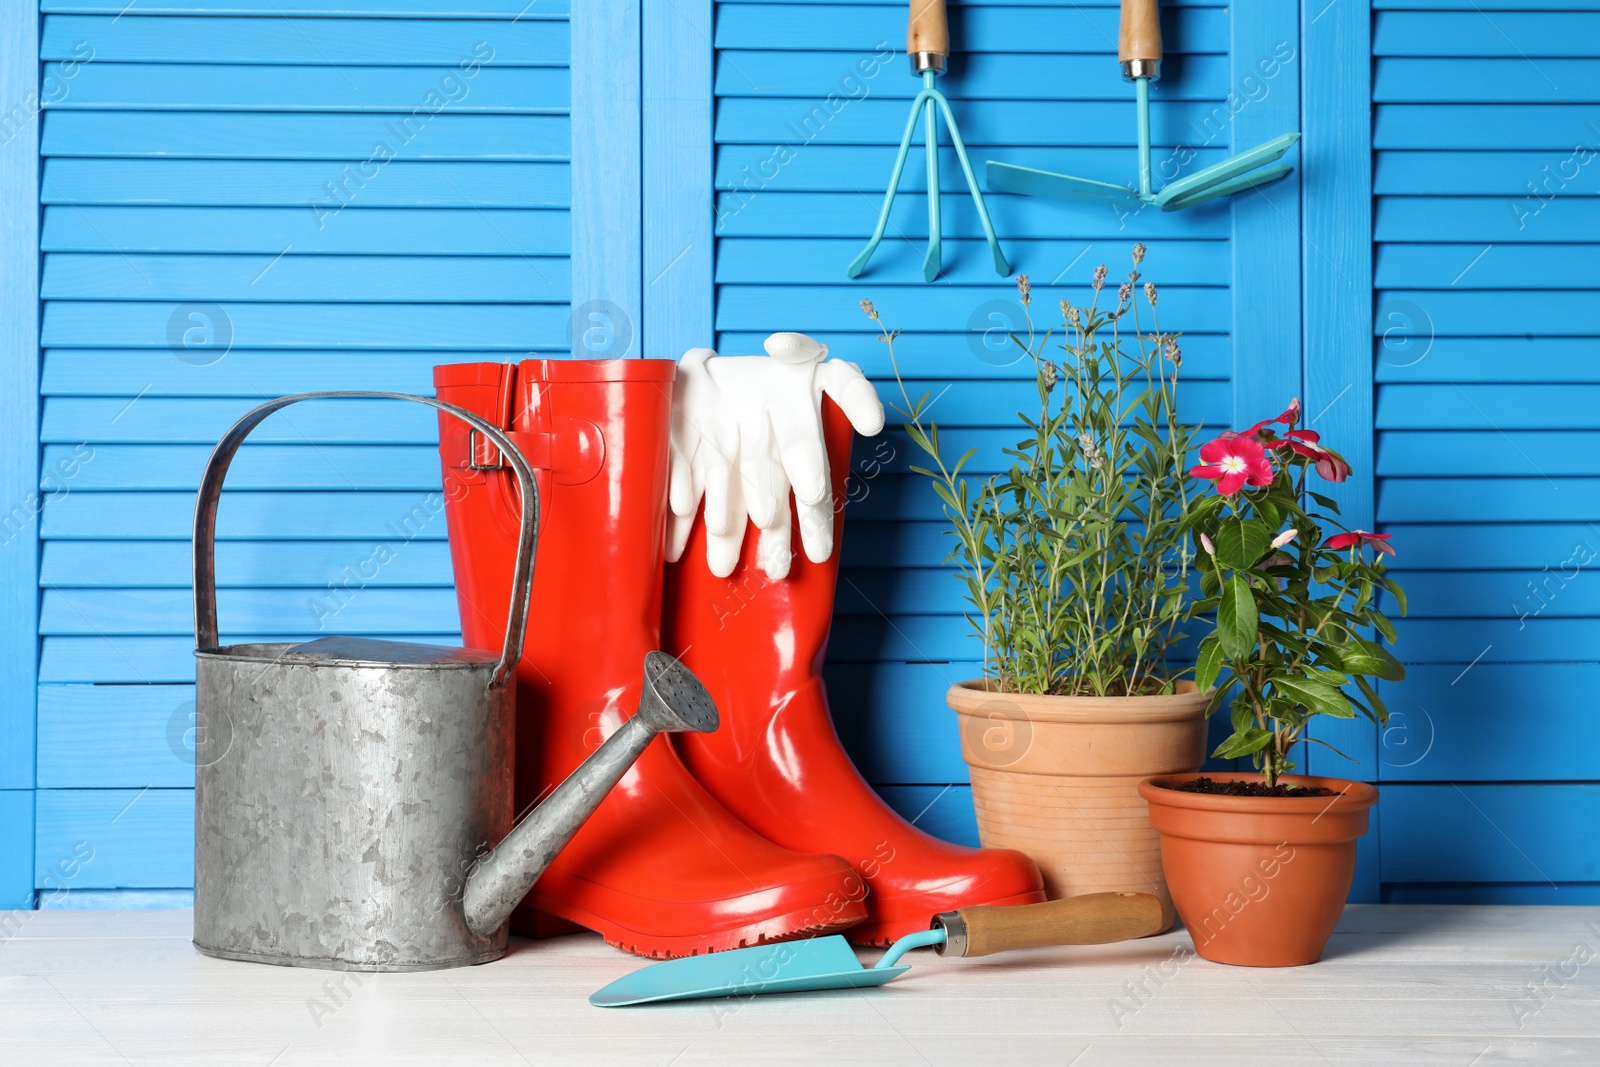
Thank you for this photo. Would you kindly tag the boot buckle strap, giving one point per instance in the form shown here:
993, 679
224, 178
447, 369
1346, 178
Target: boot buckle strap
481, 454
573, 454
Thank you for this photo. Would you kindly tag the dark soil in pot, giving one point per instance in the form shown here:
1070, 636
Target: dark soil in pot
1236, 788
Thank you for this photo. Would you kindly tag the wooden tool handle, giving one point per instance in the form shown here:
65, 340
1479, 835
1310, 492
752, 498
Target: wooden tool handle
1139, 35
928, 30
1093, 919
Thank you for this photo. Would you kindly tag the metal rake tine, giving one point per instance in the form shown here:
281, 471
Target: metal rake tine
931, 260
1001, 266
859, 264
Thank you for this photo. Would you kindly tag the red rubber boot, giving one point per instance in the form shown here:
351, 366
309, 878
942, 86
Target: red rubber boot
661, 868
758, 645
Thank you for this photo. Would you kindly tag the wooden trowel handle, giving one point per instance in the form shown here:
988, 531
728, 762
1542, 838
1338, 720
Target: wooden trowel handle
928, 30
1139, 36
1093, 919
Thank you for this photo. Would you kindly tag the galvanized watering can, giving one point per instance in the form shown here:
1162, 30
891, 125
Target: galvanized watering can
353, 797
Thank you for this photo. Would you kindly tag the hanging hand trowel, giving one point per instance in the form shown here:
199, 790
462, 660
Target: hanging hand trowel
830, 963
1139, 51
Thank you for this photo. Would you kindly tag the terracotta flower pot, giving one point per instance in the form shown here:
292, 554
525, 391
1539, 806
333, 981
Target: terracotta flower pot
1259, 881
1058, 778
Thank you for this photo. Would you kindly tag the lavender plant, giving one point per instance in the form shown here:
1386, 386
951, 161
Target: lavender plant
1074, 558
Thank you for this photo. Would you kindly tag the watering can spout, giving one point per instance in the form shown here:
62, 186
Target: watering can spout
672, 700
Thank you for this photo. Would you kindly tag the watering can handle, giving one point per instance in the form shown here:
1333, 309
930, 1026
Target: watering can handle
928, 30
1139, 38
205, 515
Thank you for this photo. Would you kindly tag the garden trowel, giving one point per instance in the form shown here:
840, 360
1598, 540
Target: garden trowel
830, 962
1139, 52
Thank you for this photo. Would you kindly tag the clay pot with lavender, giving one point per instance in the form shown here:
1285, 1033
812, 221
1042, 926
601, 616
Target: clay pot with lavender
1057, 777
1077, 568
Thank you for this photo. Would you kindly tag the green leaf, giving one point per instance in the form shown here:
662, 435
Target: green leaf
1359, 656
1243, 716
1398, 593
1237, 618
1327, 502
1243, 744
1330, 677
1208, 663
1330, 748
1201, 511
1384, 626
1380, 712
1319, 697
1364, 592
1242, 542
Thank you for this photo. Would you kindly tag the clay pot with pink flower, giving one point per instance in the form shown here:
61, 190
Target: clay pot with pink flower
1260, 864
1078, 572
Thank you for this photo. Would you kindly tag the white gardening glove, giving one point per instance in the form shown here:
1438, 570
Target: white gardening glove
747, 430
705, 450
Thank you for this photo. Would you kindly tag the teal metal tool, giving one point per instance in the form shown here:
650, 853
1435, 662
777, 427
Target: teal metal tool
928, 46
830, 962
1139, 51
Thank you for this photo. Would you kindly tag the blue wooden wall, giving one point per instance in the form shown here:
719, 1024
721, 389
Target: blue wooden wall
1486, 244
219, 225
811, 99
242, 200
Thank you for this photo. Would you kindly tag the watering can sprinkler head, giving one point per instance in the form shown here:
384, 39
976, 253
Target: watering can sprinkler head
673, 700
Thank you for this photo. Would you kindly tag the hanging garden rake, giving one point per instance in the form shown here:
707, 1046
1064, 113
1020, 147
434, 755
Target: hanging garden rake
928, 45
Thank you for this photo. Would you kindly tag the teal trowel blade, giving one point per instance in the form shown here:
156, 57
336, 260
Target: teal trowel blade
791, 966
787, 967
1253, 180
1214, 181
1010, 178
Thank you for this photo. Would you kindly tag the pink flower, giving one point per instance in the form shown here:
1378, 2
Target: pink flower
1260, 432
1330, 465
1379, 542
1302, 441
1307, 437
1284, 538
1290, 416
1232, 461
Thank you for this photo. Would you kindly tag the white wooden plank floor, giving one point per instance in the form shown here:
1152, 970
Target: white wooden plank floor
1399, 985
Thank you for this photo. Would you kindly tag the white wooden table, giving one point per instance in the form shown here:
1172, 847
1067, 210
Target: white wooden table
1399, 984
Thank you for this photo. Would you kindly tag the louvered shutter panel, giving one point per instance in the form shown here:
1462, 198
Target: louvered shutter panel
241, 200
